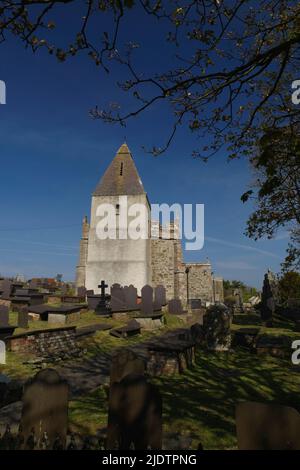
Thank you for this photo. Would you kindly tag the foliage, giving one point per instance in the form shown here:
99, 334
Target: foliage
233, 60
289, 286
277, 188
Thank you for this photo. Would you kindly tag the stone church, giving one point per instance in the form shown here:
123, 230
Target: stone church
155, 260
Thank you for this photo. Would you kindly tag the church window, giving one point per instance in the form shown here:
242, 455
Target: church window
121, 169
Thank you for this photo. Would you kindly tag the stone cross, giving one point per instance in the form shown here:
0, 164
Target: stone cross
103, 286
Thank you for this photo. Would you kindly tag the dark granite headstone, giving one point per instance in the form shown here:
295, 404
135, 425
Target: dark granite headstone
4, 316
267, 427
7, 288
159, 296
117, 298
269, 296
175, 306
135, 415
195, 304
23, 317
147, 300
45, 408
130, 294
90, 292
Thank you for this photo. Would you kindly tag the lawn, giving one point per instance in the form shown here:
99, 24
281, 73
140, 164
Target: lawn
201, 402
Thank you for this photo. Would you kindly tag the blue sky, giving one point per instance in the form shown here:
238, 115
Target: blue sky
53, 153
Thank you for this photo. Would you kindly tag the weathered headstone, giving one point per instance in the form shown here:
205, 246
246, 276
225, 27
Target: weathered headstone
23, 317
45, 408
130, 294
269, 296
135, 415
4, 315
216, 326
81, 291
175, 307
124, 362
147, 300
159, 297
117, 298
6, 289
267, 427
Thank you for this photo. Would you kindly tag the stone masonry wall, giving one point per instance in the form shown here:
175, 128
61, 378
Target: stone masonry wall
200, 281
45, 342
162, 260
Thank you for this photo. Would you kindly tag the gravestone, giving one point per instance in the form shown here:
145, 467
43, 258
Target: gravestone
195, 304
103, 306
117, 301
23, 317
90, 292
267, 427
124, 362
6, 289
130, 294
159, 297
175, 307
147, 300
45, 408
216, 326
238, 302
135, 415
269, 296
81, 291
4, 316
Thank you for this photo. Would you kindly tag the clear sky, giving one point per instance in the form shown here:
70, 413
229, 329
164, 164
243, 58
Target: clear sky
53, 154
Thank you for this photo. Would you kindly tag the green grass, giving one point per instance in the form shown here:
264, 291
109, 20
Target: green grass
201, 402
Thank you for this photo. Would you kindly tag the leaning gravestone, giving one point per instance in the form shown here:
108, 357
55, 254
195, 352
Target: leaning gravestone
4, 316
130, 294
216, 327
45, 408
117, 301
135, 415
23, 317
147, 300
175, 307
124, 362
159, 296
267, 427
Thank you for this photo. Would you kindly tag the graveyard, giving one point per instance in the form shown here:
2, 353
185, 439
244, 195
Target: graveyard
197, 364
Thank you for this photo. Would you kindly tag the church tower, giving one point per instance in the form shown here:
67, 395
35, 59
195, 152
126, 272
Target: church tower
124, 261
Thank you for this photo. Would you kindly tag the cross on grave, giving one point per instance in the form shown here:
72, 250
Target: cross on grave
103, 286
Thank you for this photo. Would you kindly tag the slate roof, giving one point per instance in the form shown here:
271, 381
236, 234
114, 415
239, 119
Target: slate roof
121, 177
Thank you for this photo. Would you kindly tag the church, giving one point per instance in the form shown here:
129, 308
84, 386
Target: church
155, 260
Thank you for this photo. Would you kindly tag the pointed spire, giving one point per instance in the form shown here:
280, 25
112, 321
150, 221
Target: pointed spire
121, 177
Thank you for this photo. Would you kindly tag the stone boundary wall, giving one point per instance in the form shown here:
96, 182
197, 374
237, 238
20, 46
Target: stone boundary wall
43, 341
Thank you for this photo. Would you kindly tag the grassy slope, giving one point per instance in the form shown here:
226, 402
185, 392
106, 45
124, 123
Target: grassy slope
200, 402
